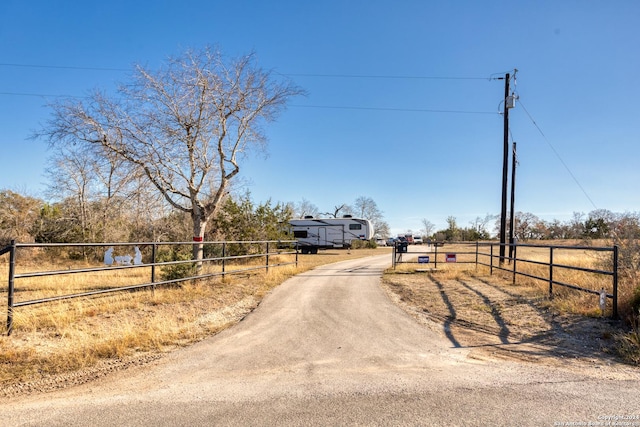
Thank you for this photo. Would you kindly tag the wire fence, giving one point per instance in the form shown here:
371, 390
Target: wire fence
94, 269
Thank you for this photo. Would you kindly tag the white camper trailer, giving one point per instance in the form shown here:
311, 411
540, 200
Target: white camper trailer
316, 233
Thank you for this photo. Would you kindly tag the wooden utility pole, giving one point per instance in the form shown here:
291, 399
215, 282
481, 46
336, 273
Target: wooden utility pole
505, 170
512, 220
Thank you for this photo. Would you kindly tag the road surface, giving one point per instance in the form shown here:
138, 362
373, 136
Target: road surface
328, 347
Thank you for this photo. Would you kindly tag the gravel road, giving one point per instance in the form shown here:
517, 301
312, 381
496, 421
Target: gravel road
328, 347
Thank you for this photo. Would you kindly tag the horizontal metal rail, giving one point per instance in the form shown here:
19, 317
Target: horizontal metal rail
398, 256
140, 286
554, 266
515, 261
220, 260
123, 267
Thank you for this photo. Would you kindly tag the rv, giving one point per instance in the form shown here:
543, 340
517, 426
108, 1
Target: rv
322, 233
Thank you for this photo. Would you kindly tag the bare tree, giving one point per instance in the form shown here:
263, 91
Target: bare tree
71, 178
185, 126
305, 208
336, 210
101, 186
18, 216
366, 207
526, 226
479, 226
427, 227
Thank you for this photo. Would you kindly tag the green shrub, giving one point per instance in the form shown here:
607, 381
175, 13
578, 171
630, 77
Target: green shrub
364, 244
176, 271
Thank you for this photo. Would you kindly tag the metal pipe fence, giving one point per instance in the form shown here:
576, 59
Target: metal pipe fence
553, 268
522, 263
175, 264
432, 255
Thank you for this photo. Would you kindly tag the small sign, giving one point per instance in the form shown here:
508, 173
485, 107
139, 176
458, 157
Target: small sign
603, 300
450, 258
423, 259
197, 239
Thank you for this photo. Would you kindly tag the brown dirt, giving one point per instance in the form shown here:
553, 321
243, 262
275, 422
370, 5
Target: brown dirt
500, 320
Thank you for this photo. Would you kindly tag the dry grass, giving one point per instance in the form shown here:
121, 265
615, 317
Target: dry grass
71, 335
565, 301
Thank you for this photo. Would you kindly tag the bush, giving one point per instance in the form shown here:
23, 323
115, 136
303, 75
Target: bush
364, 244
176, 271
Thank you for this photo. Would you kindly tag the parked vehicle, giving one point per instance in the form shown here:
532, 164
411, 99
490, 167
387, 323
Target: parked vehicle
417, 240
323, 233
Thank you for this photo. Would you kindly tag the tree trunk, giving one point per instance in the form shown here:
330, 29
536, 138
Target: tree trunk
199, 227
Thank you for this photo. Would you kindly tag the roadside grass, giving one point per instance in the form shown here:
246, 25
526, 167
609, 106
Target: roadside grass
70, 335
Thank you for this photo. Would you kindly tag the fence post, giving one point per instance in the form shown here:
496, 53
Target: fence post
435, 257
267, 257
153, 263
153, 267
551, 272
393, 256
513, 260
477, 246
491, 260
224, 255
615, 281
12, 272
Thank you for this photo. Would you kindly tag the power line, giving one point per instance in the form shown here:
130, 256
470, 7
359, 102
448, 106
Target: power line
373, 76
39, 95
414, 110
557, 155
328, 107
63, 67
342, 76
353, 76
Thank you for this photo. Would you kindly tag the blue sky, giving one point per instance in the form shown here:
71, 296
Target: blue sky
401, 103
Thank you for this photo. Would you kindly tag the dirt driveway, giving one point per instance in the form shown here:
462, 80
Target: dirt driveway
328, 347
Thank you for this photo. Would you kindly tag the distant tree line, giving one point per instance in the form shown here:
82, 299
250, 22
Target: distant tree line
138, 218
597, 224
90, 213
91, 209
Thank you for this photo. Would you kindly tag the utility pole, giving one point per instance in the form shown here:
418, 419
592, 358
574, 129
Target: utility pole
505, 170
513, 199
